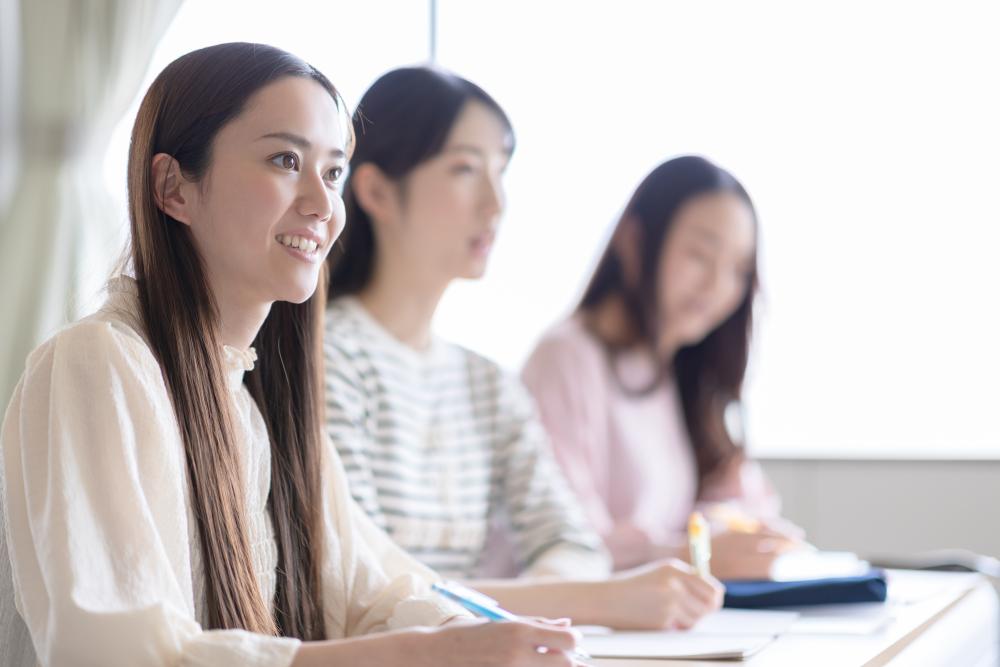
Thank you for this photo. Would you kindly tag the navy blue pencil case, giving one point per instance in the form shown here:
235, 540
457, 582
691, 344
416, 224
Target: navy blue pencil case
871, 587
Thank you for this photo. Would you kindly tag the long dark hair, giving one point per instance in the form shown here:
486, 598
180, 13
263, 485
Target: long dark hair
402, 120
181, 114
709, 374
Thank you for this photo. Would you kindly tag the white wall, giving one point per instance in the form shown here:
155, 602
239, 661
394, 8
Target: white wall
892, 507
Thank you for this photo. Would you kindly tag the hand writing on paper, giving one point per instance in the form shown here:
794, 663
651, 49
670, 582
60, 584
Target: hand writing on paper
665, 594
476, 643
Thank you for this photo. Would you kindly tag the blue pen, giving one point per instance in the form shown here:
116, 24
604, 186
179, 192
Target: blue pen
485, 607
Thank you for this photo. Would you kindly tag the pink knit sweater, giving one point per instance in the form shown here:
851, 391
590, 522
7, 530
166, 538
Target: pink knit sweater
628, 459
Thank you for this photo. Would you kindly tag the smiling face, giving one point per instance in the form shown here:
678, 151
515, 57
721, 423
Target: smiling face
705, 266
268, 209
449, 206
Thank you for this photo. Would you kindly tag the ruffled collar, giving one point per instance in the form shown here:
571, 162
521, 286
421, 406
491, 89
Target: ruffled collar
238, 362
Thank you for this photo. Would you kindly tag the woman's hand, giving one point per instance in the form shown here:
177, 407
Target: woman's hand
461, 642
665, 594
508, 644
749, 555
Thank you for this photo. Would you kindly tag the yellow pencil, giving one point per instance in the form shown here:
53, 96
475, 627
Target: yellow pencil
700, 543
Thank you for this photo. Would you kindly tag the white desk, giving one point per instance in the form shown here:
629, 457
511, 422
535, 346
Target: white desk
947, 619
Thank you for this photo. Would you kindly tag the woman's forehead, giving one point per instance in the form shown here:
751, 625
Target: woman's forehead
296, 106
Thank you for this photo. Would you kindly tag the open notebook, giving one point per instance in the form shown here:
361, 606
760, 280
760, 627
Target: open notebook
729, 634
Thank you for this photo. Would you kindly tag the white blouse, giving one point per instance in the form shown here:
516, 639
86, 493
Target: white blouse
99, 556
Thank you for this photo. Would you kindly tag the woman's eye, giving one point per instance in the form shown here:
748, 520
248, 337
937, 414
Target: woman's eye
334, 174
463, 169
287, 161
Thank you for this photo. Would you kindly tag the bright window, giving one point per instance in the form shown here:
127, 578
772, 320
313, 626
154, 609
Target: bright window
866, 132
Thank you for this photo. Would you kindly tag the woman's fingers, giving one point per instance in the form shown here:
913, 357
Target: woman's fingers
784, 528
553, 638
705, 591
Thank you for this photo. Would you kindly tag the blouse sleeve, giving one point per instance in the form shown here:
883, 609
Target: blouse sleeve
371, 584
94, 492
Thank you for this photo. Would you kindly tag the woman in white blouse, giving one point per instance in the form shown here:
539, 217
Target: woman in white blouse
168, 495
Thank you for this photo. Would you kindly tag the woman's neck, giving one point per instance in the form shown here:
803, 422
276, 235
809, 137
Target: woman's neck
402, 304
610, 321
240, 317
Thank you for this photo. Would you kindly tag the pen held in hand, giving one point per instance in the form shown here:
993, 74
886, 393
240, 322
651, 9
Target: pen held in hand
486, 607
700, 543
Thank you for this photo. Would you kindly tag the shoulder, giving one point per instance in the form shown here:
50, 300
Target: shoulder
477, 363
566, 349
95, 387
344, 328
94, 346
350, 346
481, 373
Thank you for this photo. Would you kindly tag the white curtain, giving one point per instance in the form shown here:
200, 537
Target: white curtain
9, 56
79, 64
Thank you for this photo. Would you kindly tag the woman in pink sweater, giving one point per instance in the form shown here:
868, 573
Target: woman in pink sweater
638, 387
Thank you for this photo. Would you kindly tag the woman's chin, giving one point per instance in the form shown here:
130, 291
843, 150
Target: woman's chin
475, 270
298, 293
694, 334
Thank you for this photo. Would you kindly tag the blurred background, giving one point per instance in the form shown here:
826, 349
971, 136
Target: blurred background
866, 132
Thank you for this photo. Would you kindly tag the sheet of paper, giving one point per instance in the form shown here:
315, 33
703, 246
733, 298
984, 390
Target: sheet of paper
724, 622
728, 634
745, 622
674, 645
809, 564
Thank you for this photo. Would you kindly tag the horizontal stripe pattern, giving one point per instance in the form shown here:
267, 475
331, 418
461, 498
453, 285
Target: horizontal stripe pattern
438, 444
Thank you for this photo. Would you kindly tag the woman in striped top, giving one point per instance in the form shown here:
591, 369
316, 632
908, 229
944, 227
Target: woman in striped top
441, 447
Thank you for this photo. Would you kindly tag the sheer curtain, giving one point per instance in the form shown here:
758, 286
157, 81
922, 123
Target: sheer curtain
78, 66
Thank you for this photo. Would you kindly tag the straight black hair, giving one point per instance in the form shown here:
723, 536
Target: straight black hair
709, 373
402, 120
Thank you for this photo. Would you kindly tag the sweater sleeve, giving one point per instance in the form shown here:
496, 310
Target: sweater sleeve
375, 583
94, 495
567, 379
550, 532
567, 390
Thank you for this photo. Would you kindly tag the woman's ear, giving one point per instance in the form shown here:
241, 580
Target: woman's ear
375, 192
626, 242
168, 188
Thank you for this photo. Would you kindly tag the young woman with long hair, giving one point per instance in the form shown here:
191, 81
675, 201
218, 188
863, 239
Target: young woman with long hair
170, 497
442, 448
636, 385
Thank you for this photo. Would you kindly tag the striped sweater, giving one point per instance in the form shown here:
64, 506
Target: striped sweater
445, 452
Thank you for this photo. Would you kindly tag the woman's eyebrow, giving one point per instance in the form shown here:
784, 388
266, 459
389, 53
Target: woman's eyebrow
706, 235
298, 141
465, 148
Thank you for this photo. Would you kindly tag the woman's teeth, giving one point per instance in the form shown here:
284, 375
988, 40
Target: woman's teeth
305, 245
